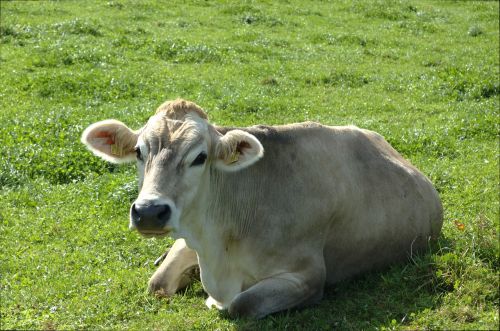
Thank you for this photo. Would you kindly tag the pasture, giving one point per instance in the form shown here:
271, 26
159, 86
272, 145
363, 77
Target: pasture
423, 74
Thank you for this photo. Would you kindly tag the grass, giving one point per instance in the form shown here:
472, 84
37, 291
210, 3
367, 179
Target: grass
423, 74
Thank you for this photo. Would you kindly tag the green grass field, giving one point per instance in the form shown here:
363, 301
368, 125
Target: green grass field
423, 74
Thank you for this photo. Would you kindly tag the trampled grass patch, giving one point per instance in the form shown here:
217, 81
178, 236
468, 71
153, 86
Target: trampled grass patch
423, 74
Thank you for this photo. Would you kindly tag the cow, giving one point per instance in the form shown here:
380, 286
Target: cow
269, 214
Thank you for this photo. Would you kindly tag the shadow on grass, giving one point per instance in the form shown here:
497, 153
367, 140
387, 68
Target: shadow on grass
373, 300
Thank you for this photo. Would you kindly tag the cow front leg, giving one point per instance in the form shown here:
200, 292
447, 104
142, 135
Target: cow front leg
176, 270
284, 291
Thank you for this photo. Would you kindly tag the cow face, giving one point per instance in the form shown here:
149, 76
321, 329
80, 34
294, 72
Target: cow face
174, 152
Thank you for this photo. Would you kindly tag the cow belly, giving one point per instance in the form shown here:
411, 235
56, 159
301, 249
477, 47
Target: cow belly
387, 231
357, 257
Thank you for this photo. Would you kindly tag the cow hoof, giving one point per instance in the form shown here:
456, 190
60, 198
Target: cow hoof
158, 289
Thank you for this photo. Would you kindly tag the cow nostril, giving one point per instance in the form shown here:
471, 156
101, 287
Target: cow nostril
164, 213
134, 213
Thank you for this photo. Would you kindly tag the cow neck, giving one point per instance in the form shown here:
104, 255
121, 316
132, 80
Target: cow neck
213, 219
193, 226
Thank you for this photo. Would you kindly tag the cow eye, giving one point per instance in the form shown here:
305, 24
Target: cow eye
200, 159
138, 153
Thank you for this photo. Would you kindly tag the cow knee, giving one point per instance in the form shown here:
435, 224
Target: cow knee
256, 305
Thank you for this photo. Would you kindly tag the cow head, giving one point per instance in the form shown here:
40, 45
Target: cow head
174, 152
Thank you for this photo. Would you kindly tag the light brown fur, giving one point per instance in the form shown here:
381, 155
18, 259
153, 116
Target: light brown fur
276, 212
179, 108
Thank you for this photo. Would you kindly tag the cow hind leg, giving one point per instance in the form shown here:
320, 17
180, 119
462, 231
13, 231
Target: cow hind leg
176, 270
284, 291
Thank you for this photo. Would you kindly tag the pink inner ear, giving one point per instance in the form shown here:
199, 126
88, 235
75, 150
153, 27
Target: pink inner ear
242, 145
105, 134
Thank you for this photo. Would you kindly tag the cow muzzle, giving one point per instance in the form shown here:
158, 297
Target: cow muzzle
150, 217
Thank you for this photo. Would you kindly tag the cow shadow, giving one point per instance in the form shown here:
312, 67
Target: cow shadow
383, 298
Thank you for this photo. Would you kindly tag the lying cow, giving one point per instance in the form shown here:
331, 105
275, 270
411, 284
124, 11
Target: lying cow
269, 213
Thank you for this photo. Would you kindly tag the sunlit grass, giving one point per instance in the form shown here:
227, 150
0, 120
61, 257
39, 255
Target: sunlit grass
423, 74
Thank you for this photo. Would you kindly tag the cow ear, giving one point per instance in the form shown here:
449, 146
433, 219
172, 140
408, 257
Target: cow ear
111, 140
236, 150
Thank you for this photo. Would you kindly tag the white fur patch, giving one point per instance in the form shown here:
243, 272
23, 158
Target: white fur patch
212, 303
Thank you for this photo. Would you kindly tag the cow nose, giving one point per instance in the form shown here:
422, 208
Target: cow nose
150, 216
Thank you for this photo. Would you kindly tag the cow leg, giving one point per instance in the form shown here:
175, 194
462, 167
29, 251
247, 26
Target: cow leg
176, 271
278, 293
